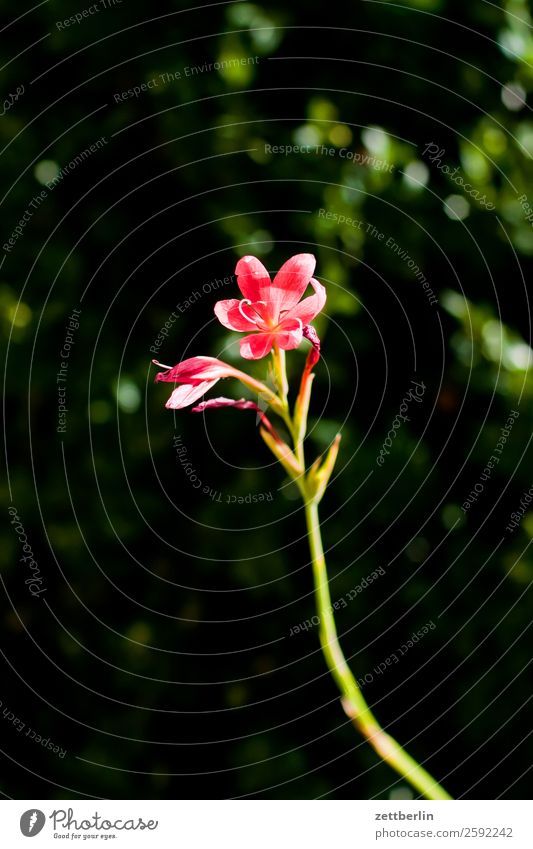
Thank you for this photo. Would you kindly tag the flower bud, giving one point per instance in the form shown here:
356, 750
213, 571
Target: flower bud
320, 472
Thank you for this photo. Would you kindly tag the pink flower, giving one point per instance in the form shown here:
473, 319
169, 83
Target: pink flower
272, 310
196, 375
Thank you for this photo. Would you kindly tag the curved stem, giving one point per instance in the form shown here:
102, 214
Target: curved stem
353, 700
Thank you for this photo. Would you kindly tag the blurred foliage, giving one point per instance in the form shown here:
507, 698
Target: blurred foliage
159, 656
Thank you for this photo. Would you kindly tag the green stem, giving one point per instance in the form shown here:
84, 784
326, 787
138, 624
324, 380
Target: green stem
353, 701
260, 388
282, 386
280, 373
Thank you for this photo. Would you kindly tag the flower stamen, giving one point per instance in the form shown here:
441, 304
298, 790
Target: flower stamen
257, 317
245, 301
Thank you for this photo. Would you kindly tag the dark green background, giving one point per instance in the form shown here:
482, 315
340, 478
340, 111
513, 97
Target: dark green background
159, 656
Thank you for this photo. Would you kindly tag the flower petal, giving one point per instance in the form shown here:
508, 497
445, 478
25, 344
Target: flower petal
256, 345
289, 337
307, 309
253, 279
196, 369
290, 283
230, 316
211, 403
186, 394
